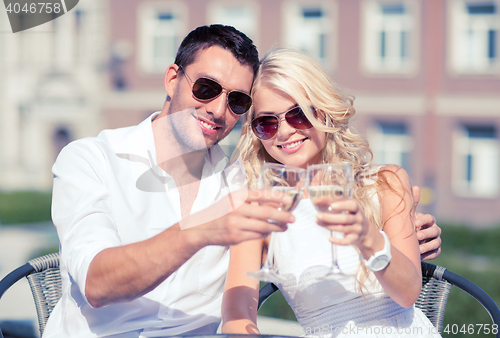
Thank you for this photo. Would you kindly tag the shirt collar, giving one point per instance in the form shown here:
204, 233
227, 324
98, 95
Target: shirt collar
138, 142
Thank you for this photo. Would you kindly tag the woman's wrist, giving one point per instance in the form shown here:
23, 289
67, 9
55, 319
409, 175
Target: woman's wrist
373, 242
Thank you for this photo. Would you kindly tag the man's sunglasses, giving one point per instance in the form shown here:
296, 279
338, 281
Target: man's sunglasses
205, 89
265, 127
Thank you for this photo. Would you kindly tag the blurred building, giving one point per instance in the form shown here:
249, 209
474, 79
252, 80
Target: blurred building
51, 90
425, 73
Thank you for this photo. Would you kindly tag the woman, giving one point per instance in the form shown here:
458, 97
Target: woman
301, 118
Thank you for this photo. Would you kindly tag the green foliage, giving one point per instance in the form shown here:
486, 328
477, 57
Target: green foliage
276, 306
469, 252
475, 255
25, 207
470, 241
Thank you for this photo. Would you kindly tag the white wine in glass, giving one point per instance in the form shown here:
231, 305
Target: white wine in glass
279, 179
327, 184
322, 196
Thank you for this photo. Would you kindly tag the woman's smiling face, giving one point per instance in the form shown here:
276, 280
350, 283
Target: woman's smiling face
289, 146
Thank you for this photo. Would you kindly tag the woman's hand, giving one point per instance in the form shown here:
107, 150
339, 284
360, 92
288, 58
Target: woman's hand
401, 278
348, 218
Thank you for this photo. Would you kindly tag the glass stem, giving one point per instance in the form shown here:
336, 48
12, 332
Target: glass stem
335, 265
268, 264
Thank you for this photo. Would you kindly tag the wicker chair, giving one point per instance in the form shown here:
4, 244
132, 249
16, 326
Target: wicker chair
436, 285
45, 283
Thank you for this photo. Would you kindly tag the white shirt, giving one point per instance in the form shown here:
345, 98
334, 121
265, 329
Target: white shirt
109, 191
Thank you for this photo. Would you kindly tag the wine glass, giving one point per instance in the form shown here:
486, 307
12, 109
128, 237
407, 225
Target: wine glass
326, 184
278, 178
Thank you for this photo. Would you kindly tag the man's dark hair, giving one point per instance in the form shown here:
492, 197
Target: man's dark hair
227, 37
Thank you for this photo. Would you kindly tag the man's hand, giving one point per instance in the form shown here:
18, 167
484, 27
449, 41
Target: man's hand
243, 215
428, 232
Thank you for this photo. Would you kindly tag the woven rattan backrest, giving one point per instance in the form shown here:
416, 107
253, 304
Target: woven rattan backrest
45, 286
433, 298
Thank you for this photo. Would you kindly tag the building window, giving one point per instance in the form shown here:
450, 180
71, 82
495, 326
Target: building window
60, 138
161, 30
308, 26
476, 165
389, 40
120, 53
474, 35
80, 21
241, 15
391, 144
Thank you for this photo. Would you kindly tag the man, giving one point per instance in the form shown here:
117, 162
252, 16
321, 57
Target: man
144, 213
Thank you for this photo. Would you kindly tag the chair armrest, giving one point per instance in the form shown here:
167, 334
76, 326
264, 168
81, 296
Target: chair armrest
265, 292
14, 276
475, 291
440, 273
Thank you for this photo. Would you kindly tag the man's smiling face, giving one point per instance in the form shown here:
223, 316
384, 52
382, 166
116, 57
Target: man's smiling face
199, 125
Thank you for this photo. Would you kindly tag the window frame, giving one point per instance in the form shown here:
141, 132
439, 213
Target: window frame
370, 60
466, 148
378, 141
252, 5
145, 33
457, 14
291, 15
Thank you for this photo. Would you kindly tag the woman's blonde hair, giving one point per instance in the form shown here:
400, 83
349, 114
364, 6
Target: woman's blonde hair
301, 77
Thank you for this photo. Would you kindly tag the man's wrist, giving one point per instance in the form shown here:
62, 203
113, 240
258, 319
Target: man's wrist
192, 239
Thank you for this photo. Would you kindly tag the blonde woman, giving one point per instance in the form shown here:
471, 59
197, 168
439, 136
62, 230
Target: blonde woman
300, 117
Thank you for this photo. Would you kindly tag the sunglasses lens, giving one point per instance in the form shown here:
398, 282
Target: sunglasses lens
239, 102
297, 119
206, 89
265, 127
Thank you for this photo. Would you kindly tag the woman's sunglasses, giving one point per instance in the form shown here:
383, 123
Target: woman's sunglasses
205, 89
265, 127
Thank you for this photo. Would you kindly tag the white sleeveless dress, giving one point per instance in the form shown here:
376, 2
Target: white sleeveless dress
336, 308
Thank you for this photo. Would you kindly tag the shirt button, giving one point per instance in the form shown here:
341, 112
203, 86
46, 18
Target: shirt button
166, 311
